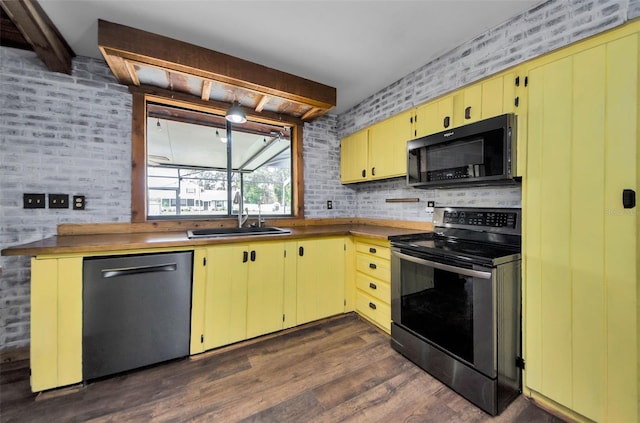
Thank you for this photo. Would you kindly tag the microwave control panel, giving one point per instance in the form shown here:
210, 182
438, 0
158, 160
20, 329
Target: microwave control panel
474, 218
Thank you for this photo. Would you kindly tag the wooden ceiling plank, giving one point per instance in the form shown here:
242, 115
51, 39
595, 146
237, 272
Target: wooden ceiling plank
176, 55
206, 89
263, 102
41, 33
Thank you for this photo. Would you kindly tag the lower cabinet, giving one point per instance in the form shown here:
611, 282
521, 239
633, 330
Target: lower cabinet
373, 281
320, 270
244, 292
56, 322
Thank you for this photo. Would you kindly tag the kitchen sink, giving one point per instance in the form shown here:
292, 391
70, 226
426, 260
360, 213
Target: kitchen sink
228, 232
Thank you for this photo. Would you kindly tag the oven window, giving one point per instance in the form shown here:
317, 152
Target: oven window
438, 305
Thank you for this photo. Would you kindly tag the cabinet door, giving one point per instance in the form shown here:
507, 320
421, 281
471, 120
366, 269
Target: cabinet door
580, 245
434, 116
226, 295
388, 146
320, 271
354, 157
469, 109
265, 292
56, 322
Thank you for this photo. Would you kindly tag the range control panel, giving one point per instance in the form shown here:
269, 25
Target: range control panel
505, 220
473, 218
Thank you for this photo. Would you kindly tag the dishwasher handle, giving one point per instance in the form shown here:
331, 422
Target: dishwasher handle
125, 271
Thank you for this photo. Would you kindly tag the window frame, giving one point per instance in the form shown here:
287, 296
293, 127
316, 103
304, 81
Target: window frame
140, 98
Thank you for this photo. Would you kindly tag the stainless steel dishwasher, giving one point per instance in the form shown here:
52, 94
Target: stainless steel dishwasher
136, 311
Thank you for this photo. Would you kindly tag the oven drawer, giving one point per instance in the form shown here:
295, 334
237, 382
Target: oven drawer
373, 309
373, 249
374, 266
375, 287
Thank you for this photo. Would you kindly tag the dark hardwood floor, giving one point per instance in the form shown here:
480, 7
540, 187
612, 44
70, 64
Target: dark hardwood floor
339, 370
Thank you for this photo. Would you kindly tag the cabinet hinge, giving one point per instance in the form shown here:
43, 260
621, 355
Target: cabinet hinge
345, 247
283, 317
285, 253
520, 363
345, 302
202, 339
204, 261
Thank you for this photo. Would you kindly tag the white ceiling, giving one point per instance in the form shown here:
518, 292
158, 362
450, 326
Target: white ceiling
357, 46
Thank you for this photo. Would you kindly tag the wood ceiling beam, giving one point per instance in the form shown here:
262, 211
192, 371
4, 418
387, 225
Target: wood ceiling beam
43, 36
263, 102
153, 49
206, 89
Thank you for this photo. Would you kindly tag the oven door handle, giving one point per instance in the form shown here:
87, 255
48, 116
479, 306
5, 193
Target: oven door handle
448, 268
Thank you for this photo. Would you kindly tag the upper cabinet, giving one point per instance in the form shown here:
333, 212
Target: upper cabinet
378, 152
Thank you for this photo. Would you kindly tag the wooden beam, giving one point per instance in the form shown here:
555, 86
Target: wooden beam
131, 69
41, 33
206, 89
263, 102
145, 47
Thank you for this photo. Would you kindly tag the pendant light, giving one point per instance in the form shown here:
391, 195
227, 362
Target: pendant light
235, 114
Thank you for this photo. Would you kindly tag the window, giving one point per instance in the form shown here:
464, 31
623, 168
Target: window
186, 153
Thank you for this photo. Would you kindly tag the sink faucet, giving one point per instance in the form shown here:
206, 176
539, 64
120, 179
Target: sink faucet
237, 199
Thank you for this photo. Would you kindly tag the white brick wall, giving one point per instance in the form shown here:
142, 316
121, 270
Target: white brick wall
59, 133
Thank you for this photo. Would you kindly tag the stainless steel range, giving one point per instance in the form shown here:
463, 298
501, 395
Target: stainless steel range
455, 302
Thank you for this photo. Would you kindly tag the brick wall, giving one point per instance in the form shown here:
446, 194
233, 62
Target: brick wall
59, 133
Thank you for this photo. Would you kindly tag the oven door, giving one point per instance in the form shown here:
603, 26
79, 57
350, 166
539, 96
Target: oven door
449, 305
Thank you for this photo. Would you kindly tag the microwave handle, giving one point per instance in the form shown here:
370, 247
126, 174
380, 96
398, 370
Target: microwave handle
446, 267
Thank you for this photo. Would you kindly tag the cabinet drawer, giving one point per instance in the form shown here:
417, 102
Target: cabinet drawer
374, 266
375, 310
373, 249
375, 287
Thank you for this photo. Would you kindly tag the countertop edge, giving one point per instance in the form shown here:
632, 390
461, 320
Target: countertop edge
105, 243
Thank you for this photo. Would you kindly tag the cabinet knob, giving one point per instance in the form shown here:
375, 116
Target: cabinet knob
364, 173
467, 113
372, 305
245, 256
373, 171
372, 250
373, 285
516, 102
446, 122
301, 251
372, 266
253, 255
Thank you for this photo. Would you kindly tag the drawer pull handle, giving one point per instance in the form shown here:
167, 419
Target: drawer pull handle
245, 256
372, 250
372, 285
372, 266
372, 305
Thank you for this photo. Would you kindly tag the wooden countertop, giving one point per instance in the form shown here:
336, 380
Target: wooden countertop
91, 243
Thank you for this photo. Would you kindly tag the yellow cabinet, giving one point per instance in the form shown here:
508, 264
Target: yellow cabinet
265, 296
378, 152
354, 157
469, 105
56, 322
373, 281
388, 146
580, 245
244, 292
434, 116
320, 278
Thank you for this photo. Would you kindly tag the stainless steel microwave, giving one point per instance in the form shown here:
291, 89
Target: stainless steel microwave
481, 153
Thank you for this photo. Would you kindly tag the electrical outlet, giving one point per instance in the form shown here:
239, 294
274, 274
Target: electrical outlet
58, 201
78, 202
33, 201
329, 204
431, 203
